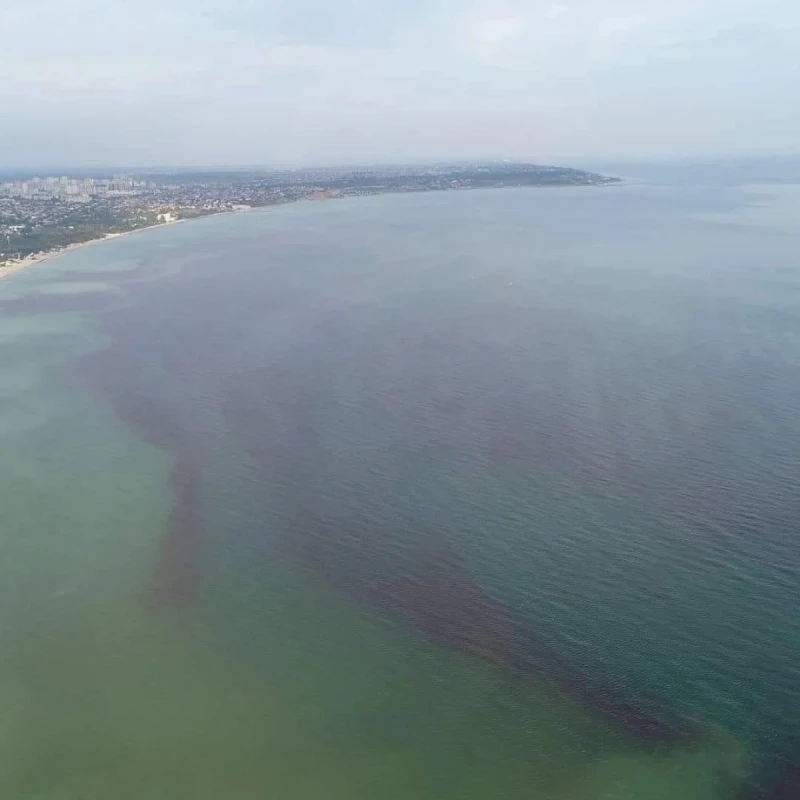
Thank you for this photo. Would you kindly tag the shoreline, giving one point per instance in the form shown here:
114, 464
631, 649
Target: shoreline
18, 266
30, 261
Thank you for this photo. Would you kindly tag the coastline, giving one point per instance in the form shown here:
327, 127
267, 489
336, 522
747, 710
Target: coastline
18, 266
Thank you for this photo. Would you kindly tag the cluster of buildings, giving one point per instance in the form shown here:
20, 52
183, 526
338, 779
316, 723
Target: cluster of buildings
39, 214
77, 190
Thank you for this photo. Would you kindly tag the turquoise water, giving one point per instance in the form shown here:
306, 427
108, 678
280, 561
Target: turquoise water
485, 494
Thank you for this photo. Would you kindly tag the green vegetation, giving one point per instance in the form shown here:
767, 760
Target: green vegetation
77, 228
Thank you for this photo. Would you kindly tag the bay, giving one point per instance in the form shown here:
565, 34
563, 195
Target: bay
472, 494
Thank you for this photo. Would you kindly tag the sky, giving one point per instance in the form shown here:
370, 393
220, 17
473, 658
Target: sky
274, 82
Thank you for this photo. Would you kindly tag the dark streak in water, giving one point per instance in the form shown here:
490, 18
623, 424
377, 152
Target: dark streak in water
427, 586
429, 589
177, 571
120, 383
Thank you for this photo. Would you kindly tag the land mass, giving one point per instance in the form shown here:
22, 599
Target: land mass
40, 216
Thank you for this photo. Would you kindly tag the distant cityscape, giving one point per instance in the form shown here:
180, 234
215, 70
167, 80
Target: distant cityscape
76, 190
39, 215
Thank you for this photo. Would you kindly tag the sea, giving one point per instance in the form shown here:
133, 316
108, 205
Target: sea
479, 495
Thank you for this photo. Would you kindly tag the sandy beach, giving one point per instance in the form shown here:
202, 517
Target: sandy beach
13, 267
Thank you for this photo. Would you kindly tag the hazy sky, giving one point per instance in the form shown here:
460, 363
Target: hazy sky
143, 82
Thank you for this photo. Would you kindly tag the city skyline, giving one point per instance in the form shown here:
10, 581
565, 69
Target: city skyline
244, 83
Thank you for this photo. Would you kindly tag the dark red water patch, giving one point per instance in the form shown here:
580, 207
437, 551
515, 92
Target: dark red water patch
440, 600
121, 382
177, 569
422, 582
411, 574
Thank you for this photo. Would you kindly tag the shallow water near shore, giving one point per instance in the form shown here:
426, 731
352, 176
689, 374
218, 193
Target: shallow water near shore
478, 494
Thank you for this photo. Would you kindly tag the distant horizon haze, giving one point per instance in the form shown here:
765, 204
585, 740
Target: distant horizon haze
184, 82
776, 162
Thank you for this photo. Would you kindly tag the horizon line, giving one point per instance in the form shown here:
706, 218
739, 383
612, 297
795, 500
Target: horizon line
53, 168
